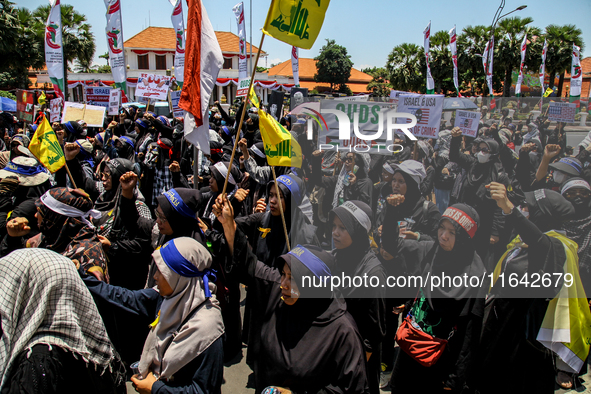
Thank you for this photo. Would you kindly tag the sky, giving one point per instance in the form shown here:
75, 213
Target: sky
368, 29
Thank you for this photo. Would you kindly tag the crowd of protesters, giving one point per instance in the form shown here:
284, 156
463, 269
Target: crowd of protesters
131, 265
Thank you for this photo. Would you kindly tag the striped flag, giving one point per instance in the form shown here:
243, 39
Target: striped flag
430, 82
203, 62
54, 57
520, 77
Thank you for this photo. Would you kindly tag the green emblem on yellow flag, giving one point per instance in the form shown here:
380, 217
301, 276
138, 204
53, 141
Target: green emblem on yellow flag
46, 148
296, 22
281, 148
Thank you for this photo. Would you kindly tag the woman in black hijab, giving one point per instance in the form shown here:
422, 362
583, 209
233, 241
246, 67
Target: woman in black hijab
509, 353
406, 202
351, 225
481, 170
447, 311
308, 345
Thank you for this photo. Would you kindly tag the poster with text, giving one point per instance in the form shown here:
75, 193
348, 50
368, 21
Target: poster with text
25, 108
114, 100
97, 95
93, 115
55, 109
175, 96
468, 122
152, 86
427, 108
562, 112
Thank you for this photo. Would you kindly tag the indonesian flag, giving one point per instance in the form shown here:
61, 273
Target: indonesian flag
54, 59
430, 82
454, 56
179, 30
543, 65
520, 77
576, 76
295, 65
203, 62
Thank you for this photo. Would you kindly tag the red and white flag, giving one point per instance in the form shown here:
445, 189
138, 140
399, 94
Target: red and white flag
543, 65
520, 77
454, 57
203, 62
295, 65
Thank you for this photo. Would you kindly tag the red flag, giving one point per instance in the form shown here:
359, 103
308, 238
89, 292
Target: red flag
203, 61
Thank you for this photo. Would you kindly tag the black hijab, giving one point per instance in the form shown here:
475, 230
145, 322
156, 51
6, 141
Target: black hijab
181, 222
548, 209
109, 198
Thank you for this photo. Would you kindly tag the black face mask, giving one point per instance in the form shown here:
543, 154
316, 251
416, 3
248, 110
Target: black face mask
251, 127
582, 207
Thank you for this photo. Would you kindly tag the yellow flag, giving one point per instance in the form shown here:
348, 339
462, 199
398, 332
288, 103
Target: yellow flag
548, 92
253, 98
42, 99
46, 148
296, 22
281, 148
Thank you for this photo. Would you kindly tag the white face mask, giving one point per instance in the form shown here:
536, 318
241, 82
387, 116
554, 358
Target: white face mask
559, 177
483, 157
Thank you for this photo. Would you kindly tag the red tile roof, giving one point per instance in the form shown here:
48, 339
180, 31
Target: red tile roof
308, 69
164, 38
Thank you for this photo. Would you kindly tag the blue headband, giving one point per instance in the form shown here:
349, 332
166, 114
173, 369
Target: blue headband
141, 123
164, 120
128, 140
311, 261
179, 264
226, 130
23, 170
292, 186
98, 137
178, 204
70, 128
572, 163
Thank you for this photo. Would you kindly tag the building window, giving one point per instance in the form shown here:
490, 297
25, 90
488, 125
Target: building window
227, 63
142, 62
160, 62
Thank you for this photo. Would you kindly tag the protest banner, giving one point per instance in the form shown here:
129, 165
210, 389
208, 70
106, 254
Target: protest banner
395, 94
93, 115
114, 100
25, 108
152, 86
368, 118
243, 78
175, 96
363, 97
54, 109
427, 109
468, 122
276, 104
562, 112
97, 96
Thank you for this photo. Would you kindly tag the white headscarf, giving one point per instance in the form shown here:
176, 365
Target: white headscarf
195, 336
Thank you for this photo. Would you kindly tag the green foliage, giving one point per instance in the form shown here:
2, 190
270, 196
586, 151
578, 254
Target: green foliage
559, 55
379, 85
404, 68
345, 89
7, 94
261, 69
104, 69
333, 65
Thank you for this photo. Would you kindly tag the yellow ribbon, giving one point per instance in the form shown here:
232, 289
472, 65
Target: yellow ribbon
155, 322
264, 231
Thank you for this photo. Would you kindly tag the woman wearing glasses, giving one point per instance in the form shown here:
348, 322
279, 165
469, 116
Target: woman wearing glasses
481, 169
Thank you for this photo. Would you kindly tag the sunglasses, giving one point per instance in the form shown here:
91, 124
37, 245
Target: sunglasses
576, 193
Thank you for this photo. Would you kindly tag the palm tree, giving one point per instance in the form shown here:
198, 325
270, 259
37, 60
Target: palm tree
404, 67
441, 62
470, 44
508, 47
560, 47
77, 38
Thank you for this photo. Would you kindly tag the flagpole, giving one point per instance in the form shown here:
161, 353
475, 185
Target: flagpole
254, 69
281, 208
70, 175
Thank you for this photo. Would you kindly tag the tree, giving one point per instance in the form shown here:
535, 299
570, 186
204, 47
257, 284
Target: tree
379, 85
333, 65
106, 69
508, 47
77, 38
560, 47
403, 68
470, 45
441, 62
